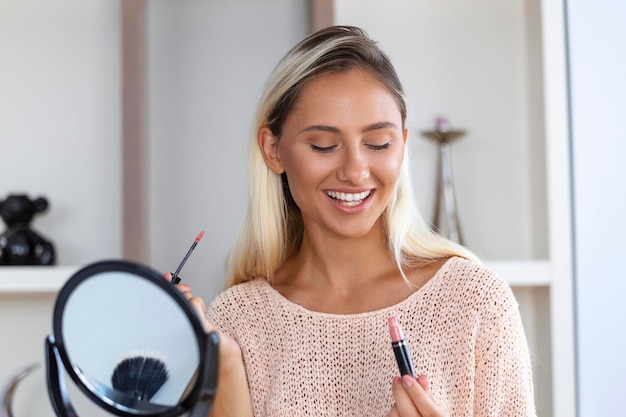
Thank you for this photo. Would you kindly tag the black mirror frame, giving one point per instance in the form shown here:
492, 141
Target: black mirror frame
199, 399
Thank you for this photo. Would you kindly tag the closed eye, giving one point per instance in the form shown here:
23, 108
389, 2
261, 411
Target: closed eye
321, 149
379, 147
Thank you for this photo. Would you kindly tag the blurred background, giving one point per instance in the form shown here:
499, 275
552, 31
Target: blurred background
133, 118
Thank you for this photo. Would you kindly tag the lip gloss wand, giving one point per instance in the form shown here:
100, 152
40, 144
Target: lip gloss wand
400, 348
175, 277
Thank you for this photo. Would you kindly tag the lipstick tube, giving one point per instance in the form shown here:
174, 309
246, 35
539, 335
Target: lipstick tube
400, 348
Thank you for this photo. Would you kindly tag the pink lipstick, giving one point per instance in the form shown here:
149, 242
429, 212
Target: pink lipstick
400, 348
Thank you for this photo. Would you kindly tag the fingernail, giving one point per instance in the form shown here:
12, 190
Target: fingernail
407, 381
396, 380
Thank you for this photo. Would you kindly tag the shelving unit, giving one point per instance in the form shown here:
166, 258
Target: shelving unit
49, 279
36, 279
522, 273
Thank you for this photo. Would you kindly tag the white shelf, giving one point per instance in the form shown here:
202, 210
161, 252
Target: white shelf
34, 279
523, 273
49, 279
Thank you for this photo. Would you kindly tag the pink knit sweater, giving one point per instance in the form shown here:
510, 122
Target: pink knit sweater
463, 328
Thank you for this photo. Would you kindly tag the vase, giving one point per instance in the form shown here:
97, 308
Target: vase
445, 218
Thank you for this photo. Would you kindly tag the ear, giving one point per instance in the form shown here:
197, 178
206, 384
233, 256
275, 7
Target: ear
405, 135
268, 143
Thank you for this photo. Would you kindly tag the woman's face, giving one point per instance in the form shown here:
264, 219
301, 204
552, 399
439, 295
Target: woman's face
341, 148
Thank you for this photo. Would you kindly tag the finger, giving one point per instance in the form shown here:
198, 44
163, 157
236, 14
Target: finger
393, 412
423, 381
199, 308
198, 305
182, 287
421, 398
404, 404
185, 289
169, 277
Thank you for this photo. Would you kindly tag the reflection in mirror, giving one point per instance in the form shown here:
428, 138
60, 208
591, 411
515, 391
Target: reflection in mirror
132, 343
116, 316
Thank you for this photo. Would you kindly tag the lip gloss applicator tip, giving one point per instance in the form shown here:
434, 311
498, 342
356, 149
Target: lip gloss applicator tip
175, 277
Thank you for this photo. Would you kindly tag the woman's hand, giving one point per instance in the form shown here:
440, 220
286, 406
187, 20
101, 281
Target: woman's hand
413, 398
233, 396
196, 302
229, 349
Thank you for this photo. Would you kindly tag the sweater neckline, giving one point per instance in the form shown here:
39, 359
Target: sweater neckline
290, 305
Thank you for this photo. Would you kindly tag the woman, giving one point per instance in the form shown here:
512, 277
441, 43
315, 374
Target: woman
333, 246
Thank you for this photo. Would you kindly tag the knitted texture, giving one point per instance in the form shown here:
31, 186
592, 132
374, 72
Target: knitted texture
463, 328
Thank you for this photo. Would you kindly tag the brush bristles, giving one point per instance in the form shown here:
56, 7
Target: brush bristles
139, 376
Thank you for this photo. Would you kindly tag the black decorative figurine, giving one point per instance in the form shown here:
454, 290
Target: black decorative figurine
19, 244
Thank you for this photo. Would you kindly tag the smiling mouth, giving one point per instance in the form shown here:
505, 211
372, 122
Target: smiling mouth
349, 199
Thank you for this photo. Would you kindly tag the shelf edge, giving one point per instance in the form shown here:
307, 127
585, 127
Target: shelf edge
34, 279
523, 273
49, 279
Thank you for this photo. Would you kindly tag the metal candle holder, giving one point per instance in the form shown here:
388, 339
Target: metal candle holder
445, 218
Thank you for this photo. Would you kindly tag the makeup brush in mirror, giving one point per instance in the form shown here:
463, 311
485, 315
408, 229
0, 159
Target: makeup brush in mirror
140, 375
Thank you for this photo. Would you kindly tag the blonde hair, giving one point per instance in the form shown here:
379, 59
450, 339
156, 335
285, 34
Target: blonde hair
273, 228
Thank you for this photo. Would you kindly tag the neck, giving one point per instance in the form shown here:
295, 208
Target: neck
340, 264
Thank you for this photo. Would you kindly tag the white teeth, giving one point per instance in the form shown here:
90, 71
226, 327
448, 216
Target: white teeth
349, 199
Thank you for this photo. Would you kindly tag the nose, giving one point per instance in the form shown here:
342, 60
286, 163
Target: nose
354, 167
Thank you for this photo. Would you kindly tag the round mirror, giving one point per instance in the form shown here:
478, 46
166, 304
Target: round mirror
131, 341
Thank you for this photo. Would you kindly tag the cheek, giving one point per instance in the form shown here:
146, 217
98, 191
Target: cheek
301, 166
390, 169
299, 173
303, 175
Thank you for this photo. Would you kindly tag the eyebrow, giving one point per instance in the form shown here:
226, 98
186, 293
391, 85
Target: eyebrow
332, 129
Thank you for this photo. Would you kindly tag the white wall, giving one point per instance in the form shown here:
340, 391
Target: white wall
60, 138
598, 108
208, 61
25, 321
60, 120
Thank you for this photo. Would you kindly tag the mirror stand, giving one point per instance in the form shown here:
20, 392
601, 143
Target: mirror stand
55, 377
58, 392
140, 352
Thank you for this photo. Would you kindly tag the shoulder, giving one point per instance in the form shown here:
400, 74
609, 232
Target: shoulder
240, 295
238, 303
477, 284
